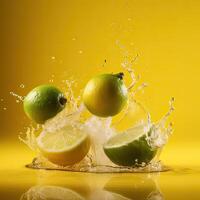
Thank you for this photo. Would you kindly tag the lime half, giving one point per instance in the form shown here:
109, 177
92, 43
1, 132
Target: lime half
66, 146
130, 148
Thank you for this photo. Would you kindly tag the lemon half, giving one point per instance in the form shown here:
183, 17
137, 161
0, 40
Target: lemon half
65, 146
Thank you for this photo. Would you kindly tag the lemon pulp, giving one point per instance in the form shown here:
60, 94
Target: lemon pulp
65, 146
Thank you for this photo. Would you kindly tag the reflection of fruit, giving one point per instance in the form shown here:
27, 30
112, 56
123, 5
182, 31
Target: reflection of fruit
105, 95
43, 103
137, 187
130, 148
73, 181
50, 192
66, 146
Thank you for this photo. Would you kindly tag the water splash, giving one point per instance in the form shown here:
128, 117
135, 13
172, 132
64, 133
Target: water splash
22, 85
29, 136
159, 132
100, 130
18, 97
95, 161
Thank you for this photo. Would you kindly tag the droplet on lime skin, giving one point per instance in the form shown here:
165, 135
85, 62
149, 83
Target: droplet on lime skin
43, 103
105, 95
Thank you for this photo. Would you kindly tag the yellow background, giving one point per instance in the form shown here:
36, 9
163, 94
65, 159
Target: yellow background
42, 40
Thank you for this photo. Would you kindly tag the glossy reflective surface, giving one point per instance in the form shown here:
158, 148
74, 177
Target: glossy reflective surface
18, 182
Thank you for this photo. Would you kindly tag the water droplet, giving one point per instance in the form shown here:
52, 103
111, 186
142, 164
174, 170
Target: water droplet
53, 57
80, 51
51, 80
22, 86
4, 108
143, 164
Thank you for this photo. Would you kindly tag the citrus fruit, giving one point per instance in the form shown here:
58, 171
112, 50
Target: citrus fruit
105, 94
65, 146
43, 103
130, 148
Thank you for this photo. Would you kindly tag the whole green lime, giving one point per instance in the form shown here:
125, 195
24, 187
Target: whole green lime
43, 103
105, 95
130, 148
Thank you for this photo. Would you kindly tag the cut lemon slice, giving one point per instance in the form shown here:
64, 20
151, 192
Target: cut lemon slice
65, 146
130, 148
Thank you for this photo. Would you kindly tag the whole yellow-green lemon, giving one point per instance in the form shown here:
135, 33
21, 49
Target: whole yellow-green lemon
105, 95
